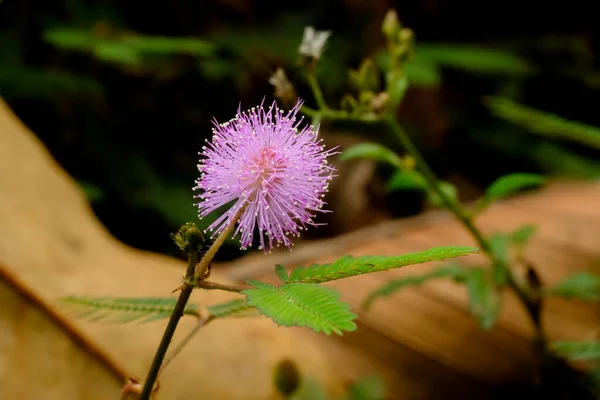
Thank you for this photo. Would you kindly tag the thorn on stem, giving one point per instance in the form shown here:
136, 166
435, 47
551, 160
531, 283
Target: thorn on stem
177, 289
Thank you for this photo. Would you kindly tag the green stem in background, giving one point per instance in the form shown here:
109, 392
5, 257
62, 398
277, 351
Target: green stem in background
193, 274
528, 301
334, 115
324, 112
316, 89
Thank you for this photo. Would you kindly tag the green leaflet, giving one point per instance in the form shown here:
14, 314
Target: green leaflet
389, 288
500, 245
403, 180
366, 388
233, 308
507, 185
372, 151
522, 235
126, 48
580, 285
512, 183
124, 309
302, 304
578, 351
544, 123
449, 190
484, 299
351, 266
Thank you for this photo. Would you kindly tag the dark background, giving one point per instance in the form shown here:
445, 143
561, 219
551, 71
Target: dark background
127, 118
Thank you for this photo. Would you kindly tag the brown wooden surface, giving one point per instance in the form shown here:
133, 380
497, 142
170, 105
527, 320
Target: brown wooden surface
422, 340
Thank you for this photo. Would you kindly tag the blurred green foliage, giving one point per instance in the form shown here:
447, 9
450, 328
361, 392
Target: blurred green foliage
124, 98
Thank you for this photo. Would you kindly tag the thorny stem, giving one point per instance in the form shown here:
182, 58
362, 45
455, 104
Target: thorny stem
528, 301
194, 273
184, 296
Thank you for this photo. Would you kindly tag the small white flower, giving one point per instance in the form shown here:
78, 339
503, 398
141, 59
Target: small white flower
313, 42
281, 83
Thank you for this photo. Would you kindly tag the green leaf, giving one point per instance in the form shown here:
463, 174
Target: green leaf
93, 193
310, 389
124, 309
25, 82
484, 300
233, 308
447, 189
510, 184
578, 351
474, 59
544, 123
117, 53
499, 244
522, 235
403, 180
366, 77
85, 39
422, 73
571, 163
452, 272
366, 388
302, 304
282, 273
581, 286
372, 151
351, 266
397, 86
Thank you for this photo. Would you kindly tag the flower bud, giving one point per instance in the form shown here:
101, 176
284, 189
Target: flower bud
284, 90
313, 44
390, 25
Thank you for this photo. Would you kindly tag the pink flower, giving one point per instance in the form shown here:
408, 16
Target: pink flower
263, 161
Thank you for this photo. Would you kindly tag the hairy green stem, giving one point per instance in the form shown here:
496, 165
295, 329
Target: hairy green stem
526, 299
316, 89
194, 273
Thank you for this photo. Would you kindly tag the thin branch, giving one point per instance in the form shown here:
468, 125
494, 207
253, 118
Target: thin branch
316, 89
195, 273
220, 286
184, 296
201, 323
209, 255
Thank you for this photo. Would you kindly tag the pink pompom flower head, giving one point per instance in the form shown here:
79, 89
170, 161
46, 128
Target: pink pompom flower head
264, 161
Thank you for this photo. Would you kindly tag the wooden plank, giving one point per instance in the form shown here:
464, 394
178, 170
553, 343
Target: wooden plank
52, 242
439, 331
42, 357
563, 319
408, 374
420, 318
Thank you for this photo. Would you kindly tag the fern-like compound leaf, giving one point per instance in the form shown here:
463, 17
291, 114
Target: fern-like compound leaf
234, 308
124, 309
302, 304
348, 266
